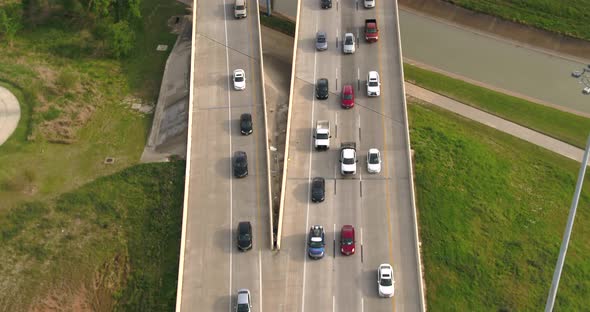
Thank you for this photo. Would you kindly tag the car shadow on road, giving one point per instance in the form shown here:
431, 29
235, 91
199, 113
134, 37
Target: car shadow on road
221, 240
223, 167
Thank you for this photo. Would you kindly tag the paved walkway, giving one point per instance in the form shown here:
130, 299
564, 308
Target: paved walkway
498, 123
9, 114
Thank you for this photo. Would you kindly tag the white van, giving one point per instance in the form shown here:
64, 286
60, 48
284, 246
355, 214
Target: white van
240, 9
369, 4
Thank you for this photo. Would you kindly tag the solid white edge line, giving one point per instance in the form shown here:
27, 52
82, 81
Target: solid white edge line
409, 154
230, 157
308, 182
188, 163
260, 279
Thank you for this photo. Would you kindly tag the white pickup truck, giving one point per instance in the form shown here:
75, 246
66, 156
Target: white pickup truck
321, 135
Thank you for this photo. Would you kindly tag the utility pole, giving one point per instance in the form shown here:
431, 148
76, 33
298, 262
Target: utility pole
568, 231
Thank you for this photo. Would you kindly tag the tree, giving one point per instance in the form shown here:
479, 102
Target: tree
121, 39
10, 22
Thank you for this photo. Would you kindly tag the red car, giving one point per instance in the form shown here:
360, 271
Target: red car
347, 96
347, 240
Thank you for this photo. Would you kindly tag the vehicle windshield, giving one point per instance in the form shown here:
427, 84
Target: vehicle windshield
371, 30
347, 241
373, 84
243, 307
316, 244
322, 136
321, 39
239, 7
373, 159
348, 41
348, 161
386, 282
348, 96
239, 78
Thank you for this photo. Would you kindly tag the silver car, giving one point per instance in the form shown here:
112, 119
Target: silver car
348, 46
321, 41
244, 302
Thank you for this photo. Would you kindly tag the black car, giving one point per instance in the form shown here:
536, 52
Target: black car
244, 236
240, 164
321, 89
326, 4
246, 124
318, 190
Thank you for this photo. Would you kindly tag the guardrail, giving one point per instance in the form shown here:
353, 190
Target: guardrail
188, 163
411, 168
288, 132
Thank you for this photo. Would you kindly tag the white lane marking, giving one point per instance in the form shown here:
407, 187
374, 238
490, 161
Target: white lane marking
336, 78
260, 279
362, 304
315, 54
361, 235
337, 33
358, 73
230, 158
333, 303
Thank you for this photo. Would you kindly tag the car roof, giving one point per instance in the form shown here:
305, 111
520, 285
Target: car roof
347, 89
373, 151
246, 116
244, 226
348, 153
321, 34
323, 81
347, 231
373, 74
243, 296
238, 71
240, 154
348, 35
318, 179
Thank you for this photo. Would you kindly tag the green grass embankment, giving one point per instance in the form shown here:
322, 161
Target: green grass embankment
492, 211
564, 126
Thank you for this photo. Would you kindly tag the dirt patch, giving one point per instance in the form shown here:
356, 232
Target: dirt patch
534, 37
277, 52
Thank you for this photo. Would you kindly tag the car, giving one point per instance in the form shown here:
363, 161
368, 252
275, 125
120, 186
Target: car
240, 164
385, 280
321, 41
347, 96
246, 124
348, 158
373, 84
244, 236
240, 9
369, 4
586, 90
322, 90
373, 161
318, 190
239, 79
317, 243
347, 240
348, 46
244, 301
326, 4
577, 73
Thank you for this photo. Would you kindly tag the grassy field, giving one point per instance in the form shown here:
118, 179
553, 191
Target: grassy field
283, 25
492, 213
76, 105
111, 245
567, 127
564, 17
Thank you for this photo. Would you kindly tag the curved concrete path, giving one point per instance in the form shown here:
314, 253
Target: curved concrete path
9, 114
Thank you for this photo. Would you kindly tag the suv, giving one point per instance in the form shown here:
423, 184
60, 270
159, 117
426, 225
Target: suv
318, 190
244, 302
347, 240
373, 84
321, 89
246, 124
244, 236
240, 164
369, 4
317, 242
240, 10
326, 4
348, 46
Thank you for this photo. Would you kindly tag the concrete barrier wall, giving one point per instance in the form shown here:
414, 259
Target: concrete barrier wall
187, 173
288, 132
410, 165
266, 147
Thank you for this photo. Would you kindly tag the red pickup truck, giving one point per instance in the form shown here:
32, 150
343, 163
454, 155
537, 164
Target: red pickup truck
371, 30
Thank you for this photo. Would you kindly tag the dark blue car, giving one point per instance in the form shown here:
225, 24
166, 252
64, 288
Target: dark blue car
317, 243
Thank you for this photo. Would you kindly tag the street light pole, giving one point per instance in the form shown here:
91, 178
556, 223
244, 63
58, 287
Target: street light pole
568, 231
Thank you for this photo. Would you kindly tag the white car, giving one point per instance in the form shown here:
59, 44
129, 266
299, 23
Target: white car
348, 161
385, 280
373, 161
369, 4
348, 44
239, 79
373, 84
586, 90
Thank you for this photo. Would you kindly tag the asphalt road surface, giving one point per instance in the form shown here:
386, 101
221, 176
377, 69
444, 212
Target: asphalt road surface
378, 205
213, 268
